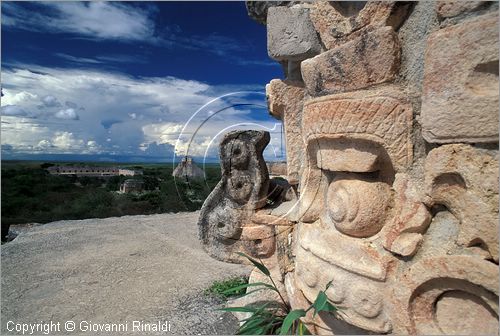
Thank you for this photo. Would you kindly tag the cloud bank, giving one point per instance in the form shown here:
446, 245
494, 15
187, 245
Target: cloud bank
77, 111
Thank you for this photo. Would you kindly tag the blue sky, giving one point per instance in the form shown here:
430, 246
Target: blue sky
131, 79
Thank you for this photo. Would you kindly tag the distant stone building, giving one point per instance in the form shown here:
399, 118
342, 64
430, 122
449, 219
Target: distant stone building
92, 171
129, 172
130, 186
187, 169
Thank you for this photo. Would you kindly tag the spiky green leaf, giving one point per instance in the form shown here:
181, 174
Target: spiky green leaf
290, 318
239, 287
257, 264
320, 302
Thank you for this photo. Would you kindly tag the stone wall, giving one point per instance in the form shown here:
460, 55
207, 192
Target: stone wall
391, 124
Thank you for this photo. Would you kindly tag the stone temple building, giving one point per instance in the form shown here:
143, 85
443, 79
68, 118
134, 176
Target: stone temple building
390, 111
187, 170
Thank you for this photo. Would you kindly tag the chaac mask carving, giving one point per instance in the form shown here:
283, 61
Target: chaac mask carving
393, 158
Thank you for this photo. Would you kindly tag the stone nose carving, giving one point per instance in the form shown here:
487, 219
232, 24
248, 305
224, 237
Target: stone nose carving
225, 225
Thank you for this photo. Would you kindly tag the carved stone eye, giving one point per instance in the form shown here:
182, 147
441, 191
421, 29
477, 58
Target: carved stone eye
237, 154
239, 186
358, 208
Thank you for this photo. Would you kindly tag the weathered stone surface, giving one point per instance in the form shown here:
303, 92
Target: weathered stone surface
257, 10
115, 269
372, 58
285, 99
358, 272
346, 155
338, 22
284, 249
380, 119
425, 291
465, 180
378, 116
404, 233
460, 89
291, 42
276, 168
446, 9
350, 205
242, 189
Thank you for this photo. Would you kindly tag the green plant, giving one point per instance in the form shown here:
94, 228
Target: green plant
272, 319
224, 288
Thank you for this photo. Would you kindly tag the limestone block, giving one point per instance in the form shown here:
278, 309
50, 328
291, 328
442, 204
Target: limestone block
465, 180
290, 34
284, 247
365, 123
460, 87
379, 116
259, 240
447, 9
243, 188
298, 301
337, 22
262, 218
447, 295
348, 156
257, 10
358, 271
372, 58
404, 232
285, 100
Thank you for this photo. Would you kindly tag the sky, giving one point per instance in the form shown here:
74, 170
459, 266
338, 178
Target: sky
131, 81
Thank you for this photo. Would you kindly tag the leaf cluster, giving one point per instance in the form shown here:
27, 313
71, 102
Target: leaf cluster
268, 319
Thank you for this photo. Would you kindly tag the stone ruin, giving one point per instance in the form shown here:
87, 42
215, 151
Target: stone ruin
187, 170
390, 112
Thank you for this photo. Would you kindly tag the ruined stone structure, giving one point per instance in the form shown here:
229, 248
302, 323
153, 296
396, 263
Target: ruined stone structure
187, 169
92, 171
391, 122
132, 186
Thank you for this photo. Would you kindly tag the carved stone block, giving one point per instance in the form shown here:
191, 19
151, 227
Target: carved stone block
225, 225
447, 295
460, 88
370, 59
338, 22
447, 9
285, 100
465, 180
378, 116
291, 42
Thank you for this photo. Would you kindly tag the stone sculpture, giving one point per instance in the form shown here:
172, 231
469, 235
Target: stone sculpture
391, 121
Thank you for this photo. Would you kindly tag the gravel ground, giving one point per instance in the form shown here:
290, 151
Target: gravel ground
99, 272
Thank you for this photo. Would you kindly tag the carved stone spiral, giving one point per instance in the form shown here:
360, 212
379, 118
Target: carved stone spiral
358, 208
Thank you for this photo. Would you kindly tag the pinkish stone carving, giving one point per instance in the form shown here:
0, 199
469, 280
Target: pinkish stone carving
405, 228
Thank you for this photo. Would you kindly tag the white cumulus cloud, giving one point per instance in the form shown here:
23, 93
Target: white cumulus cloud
50, 101
121, 114
68, 114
